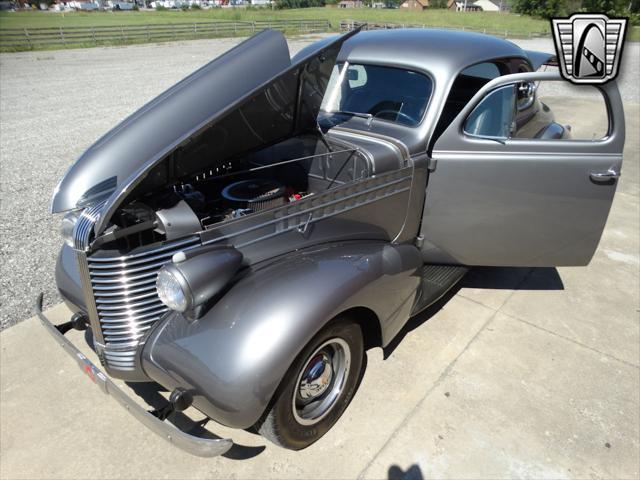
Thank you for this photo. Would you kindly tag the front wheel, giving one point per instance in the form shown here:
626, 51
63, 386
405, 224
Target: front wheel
317, 387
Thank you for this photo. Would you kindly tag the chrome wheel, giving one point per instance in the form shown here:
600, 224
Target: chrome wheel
321, 381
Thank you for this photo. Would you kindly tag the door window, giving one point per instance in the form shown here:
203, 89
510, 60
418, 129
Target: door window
561, 111
546, 110
466, 85
493, 117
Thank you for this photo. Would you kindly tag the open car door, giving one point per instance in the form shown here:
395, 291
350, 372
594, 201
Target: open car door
495, 199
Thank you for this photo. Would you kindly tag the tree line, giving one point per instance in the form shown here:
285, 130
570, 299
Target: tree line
535, 8
561, 8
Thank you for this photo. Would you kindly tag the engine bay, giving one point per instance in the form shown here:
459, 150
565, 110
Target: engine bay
231, 191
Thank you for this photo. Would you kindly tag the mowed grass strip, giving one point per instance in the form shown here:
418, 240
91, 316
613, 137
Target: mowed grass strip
495, 23
432, 18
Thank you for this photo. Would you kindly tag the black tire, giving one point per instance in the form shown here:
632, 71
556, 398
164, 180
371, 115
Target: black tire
280, 424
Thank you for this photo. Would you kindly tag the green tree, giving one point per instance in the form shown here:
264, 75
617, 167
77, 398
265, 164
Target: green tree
540, 8
282, 4
610, 7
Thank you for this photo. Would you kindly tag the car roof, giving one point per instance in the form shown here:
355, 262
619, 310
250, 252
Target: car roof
444, 53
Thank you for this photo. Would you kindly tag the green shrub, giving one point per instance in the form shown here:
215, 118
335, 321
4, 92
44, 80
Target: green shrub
540, 8
286, 4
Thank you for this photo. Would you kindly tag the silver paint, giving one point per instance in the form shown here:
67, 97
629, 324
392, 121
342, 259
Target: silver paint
358, 248
527, 202
235, 356
146, 135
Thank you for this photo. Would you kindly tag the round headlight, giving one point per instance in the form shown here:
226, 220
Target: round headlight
68, 224
170, 291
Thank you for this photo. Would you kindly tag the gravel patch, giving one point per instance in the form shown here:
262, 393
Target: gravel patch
628, 74
53, 105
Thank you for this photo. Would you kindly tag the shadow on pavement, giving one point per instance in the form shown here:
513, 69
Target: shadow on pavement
412, 473
513, 278
496, 278
500, 278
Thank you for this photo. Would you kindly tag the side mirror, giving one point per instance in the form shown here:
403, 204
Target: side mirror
526, 94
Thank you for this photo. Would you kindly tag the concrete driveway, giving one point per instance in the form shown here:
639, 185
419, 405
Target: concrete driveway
525, 373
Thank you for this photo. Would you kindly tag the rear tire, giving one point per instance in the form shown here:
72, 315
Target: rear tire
317, 388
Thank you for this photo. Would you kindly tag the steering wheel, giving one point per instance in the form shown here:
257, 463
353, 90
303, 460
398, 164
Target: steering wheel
398, 114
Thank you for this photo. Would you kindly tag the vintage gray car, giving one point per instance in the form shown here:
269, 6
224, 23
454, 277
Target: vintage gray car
243, 238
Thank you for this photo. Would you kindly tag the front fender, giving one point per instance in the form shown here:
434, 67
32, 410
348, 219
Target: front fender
234, 357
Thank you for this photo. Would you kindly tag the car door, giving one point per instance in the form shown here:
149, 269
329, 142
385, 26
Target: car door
493, 199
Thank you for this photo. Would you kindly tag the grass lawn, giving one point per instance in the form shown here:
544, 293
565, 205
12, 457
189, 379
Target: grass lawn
494, 23
443, 18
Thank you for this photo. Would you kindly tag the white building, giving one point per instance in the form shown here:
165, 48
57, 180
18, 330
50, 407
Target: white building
486, 6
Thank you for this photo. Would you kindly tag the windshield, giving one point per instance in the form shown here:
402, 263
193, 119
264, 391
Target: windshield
385, 93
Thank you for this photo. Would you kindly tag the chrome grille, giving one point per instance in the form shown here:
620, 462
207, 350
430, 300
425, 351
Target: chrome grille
124, 289
84, 227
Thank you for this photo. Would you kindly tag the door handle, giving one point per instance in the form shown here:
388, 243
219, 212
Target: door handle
607, 176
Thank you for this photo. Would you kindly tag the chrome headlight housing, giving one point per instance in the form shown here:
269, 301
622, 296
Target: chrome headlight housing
193, 278
68, 225
171, 290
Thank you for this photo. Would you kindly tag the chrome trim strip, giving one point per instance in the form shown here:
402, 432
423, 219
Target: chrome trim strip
314, 220
123, 264
134, 314
302, 211
125, 299
87, 290
103, 299
84, 227
119, 318
123, 279
107, 294
123, 271
123, 288
131, 301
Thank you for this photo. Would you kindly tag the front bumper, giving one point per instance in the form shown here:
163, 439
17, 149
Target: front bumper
201, 447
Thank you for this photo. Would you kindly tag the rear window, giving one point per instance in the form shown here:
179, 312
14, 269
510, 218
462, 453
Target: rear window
386, 93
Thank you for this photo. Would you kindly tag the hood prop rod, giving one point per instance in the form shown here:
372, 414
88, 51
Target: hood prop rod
323, 137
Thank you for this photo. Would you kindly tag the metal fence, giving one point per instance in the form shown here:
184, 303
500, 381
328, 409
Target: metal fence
348, 25
18, 39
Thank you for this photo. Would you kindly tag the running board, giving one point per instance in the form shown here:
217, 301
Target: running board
436, 280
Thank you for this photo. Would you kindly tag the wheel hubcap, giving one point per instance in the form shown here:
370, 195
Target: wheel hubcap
321, 381
316, 377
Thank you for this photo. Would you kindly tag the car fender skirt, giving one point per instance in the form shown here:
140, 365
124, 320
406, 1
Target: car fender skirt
233, 357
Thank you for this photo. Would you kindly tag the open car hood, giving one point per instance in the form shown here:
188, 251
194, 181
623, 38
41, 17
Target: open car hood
253, 95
